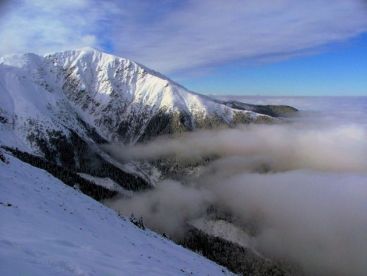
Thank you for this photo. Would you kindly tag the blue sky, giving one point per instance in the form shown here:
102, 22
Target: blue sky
279, 47
338, 70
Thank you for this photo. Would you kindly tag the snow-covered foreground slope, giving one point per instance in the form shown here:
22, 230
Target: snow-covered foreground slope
48, 228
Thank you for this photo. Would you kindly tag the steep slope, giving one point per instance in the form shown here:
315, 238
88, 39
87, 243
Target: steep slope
125, 100
49, 228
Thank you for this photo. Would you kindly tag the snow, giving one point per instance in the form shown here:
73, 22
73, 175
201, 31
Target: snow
106, 182
48, 228
225, 230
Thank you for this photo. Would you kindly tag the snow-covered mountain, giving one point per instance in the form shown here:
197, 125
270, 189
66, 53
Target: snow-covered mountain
48, 228
115, 98
62, 105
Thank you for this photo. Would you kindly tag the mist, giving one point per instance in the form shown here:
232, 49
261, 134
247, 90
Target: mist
284, 147
303, 184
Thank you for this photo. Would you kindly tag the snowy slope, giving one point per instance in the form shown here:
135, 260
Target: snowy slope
106, 183
109, 90
47, 228
225, 230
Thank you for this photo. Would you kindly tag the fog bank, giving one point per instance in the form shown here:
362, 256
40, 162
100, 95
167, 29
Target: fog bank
284, 147
304, 186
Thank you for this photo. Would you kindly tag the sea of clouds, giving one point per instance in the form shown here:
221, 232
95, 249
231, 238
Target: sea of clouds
304, 183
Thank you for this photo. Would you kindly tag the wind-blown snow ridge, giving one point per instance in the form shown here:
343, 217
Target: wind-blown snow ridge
49, 228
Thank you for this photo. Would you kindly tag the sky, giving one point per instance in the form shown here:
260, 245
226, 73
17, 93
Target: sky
237, 47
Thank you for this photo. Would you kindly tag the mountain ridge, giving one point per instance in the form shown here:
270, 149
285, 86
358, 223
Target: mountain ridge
61, 105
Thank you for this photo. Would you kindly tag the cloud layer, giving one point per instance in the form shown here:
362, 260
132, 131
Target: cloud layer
301, 185
282, 147
43, 26
172, 35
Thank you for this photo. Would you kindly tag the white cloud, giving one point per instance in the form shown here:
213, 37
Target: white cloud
43, 26
172, 35
213, 31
